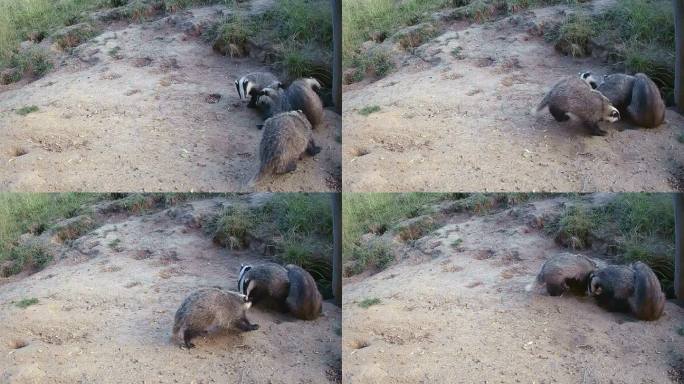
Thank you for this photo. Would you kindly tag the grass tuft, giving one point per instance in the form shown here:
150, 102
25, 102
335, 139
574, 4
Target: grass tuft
367, 110
365, 303
23, 111
25, 303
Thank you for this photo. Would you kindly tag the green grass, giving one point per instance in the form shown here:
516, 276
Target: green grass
367, 110
33, 212
680, 331
25, 303
365, 303
456, 243
19, 18
114, 244
23, 111
298, 31
639, 33
680, 138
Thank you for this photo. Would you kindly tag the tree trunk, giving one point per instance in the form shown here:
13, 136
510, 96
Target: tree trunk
679, 246
679, 61
337, 55
337, 247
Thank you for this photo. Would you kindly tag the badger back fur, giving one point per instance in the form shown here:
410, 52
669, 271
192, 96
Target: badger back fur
251, 84
647, 108
633, 288
209, 309
565, 272
265, 284
572, 96
287, 138
300, 95
304, 300
648, 300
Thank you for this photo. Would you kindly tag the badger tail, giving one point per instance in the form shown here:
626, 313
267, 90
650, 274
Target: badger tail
534, 283
542, 105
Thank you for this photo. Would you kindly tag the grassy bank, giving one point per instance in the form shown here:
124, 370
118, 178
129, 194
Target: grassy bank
34, 20
33, 212
296, 33
362, 19
295, 227
638, 33
377, 213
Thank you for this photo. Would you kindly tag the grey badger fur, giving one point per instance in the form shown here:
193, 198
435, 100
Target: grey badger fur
251, 84
572, 96
211, 308
287, 137
636, 97
265, 284
304, 299
563, 273
634, 288
300, 95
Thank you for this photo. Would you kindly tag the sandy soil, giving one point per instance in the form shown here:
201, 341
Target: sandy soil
462, 315
139, 120
464, 124
105, 313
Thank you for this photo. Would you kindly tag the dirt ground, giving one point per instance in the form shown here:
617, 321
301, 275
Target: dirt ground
462, 122
140, 119
462, 315
105, 313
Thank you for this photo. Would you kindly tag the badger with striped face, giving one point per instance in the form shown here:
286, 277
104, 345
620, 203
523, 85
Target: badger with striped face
265, 285
249, 86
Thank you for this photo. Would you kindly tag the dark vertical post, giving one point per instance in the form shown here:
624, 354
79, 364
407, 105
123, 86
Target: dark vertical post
337, 247
679, 246
337, 55
679, 52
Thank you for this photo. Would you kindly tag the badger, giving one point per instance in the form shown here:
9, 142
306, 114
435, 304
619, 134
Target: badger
304, 299
634, 288
266, 284
636, 97
209, 309
563, 273
300, 95
574, 97
251, 84
287, 138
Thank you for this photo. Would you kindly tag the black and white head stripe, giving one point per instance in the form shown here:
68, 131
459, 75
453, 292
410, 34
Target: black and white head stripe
242, 283
589, 78
244, 87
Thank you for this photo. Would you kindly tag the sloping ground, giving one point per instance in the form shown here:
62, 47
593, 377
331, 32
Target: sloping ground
462, 315
457, 118
105, 313
130, 111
